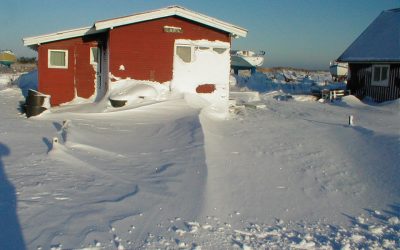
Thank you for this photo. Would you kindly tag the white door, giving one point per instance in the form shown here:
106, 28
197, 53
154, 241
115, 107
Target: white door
98, 57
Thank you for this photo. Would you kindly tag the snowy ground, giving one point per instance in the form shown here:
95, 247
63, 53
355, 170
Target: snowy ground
292, 175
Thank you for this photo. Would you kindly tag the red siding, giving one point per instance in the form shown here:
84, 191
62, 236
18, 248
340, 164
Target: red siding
84, 72
62, 83
206, 88
146, 51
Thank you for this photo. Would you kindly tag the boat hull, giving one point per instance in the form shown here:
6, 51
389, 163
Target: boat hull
246, 61
7, 58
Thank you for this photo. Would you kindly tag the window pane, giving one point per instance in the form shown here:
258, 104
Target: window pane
95, 56
185, 53
384, 74
377, 74
219, 50
57, 58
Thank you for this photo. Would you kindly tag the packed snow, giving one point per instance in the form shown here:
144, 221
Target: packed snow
207, 66
276, 169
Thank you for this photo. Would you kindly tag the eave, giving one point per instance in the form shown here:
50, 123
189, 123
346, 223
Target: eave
104, 25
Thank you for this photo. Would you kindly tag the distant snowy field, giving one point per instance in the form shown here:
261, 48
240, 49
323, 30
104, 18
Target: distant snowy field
280, 170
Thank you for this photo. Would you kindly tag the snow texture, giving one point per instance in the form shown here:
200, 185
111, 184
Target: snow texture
176, 174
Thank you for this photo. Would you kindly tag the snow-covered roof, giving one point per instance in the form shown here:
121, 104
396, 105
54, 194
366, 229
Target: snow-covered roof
380, 42
101, 26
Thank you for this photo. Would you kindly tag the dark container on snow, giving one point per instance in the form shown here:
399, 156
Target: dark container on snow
34, 103
33, 110
117, 103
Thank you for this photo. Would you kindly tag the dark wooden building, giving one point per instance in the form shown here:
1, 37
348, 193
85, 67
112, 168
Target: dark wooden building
374, 59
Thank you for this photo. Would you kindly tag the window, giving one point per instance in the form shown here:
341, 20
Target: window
94, 55
58, 59
380, 75
202, 48
219, 50
185, 53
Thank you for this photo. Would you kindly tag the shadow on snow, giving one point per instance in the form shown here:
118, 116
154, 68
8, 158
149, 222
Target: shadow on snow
11, 234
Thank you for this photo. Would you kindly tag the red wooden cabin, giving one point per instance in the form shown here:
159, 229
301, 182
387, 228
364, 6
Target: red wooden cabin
82, 62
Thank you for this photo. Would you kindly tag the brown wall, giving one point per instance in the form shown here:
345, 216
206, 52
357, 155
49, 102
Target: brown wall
360, 82
146, 51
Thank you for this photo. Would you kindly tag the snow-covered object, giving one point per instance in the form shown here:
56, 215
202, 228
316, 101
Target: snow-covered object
379, 42
206, 67
28, 81
133, 90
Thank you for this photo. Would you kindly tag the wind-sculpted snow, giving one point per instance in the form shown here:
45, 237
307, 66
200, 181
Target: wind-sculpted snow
287, 174
106, 171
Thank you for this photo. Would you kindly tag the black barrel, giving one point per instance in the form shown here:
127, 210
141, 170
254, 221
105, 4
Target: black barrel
34, 103
34, 100
33, 110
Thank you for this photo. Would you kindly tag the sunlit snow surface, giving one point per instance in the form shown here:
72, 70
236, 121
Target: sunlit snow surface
169, 174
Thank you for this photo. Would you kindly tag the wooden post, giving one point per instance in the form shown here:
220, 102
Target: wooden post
351, 122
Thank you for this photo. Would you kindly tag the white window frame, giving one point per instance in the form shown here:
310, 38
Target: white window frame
49, 65
380, 83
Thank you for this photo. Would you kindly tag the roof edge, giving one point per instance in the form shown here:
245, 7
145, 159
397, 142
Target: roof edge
60, 35
370, 61
103, 25
172, 11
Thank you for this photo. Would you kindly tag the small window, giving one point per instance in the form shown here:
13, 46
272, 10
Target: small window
185, 53
219, 50
94, 55
202, 48
58, 59
380, 75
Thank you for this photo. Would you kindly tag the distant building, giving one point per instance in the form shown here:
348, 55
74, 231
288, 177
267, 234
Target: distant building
144, 46
374, 59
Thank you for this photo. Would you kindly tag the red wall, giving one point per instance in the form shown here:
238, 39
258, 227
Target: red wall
146, 51
61, 83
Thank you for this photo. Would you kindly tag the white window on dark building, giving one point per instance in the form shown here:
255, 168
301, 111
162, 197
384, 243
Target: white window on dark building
58, 59
380, 75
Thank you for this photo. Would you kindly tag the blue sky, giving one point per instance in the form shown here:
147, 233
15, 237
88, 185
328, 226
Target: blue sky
297, 33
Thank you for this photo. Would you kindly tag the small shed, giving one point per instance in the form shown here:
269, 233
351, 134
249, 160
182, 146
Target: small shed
374, 59
172, 45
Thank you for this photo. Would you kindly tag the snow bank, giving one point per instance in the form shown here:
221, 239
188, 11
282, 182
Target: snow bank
206, 67
291, 176
8, 79
134, 91
28, 81
299, 82
392, 105
352, 101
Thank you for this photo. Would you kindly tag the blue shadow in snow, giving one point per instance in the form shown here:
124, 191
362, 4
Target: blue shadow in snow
10, 229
